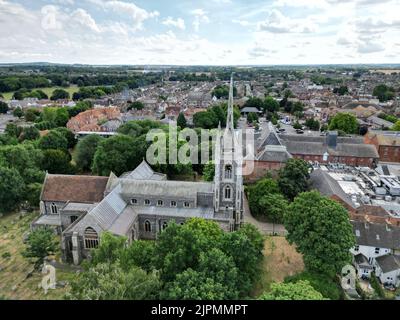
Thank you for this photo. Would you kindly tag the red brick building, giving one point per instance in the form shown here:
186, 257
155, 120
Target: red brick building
387, 143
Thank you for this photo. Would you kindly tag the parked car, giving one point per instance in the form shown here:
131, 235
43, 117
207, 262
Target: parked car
299, 131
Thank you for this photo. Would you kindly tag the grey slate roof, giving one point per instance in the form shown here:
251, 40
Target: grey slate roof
165, 188
328, 186
376, 235
108, 210
272, 153
48, 219
388, 263
342, 149
249, 109
143, 172
122, 223
79, 207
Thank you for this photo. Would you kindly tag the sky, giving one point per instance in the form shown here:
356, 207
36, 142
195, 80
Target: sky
201, 32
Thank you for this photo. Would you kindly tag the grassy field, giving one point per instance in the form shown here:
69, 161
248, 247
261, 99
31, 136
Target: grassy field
280, 260
17, 281
71, 90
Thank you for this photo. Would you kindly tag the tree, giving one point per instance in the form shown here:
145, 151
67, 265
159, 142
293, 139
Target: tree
205, 120
137, 105
109, 250
209, 171
322, 232
61, 118
18, 112
345, 122
301, 290
262, 188
3, 107
109, 282
328, 286
181, 121
11, 189
67, 134
29, 133
53, 140
270, 105
252, 117
59, 94
13, 130
85, 150
118, 154
32, 194
396, 126
40, 243
248, 261
193, 285
293, 178
383, 92
254, 102
312, 124
275, 206
140, 253
56, 161
31, 115
342, 90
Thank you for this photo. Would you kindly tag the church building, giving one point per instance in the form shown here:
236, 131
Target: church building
140, 204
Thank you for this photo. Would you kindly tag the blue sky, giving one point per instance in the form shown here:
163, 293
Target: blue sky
211, 32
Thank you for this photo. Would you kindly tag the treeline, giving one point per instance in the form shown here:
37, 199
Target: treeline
191, 77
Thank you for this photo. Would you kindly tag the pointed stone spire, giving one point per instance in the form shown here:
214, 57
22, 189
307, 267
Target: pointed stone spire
229, 121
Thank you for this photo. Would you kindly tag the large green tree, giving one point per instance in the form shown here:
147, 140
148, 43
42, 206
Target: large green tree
384, 92
293, 178
118, 154
345, 122
11, 189
85, 150
106, 281
181, 121
321, 230
40, 243
53, 140
301, 290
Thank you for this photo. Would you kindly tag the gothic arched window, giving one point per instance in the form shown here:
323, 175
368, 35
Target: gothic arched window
54, 209
147, 226
91, 238
228, 171
227, 192
164, 225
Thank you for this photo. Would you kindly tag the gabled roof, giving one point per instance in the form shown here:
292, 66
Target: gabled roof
388, 263
109, 209
83, 189
143, 172
328, 186
376, 235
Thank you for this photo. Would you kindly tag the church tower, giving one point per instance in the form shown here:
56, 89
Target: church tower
228, 180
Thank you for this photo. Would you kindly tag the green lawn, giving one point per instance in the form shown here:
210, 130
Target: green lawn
71, 90
16, 282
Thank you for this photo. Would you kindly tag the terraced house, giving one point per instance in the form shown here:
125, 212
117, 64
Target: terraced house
139, 204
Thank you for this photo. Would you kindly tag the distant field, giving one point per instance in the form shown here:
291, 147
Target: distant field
49, 91
15, 280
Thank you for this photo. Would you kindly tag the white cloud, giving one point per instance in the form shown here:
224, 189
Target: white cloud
81, 16
137, 14
243, 23
178, 23
276, 22
200, 16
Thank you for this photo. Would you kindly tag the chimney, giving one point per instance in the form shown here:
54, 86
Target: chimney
331, 139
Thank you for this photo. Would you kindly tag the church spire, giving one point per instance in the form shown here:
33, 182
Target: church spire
229, 121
